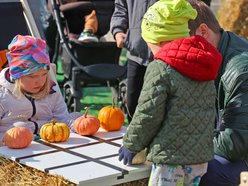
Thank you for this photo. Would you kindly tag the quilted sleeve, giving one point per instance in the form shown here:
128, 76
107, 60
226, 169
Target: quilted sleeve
150, 110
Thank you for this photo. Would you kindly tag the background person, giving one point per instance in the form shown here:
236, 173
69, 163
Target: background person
125, 26
231, 138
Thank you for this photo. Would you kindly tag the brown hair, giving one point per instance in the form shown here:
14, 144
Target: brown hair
204, 15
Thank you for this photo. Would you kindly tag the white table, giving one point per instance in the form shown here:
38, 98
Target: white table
91, 160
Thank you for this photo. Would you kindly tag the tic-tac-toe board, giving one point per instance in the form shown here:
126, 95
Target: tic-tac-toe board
84, 160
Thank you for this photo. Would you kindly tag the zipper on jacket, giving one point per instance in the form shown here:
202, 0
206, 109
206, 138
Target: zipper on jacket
34, 112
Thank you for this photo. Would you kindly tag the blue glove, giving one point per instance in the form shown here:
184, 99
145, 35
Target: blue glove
126, 155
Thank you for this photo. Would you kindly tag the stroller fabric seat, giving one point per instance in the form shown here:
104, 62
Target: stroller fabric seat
86, 64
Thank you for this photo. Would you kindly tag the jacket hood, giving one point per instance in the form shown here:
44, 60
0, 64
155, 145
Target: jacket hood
5, 80
193, 57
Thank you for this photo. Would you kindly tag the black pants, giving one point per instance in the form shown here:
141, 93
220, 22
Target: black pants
135, 79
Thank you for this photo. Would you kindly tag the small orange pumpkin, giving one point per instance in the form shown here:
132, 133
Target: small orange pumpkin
18, 137
54, 132
86, 124
111, 118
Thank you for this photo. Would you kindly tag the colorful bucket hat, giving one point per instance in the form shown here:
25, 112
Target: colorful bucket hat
27, 55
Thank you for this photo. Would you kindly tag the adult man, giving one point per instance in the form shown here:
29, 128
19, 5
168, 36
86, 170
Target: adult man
126, 28
231, 139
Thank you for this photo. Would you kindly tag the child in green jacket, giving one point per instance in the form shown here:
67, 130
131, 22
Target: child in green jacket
175, 115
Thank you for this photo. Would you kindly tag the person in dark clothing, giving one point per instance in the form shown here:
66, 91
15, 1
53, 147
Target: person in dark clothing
231, 135
126, 28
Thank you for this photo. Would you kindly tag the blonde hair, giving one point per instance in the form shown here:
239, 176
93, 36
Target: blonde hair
18, 91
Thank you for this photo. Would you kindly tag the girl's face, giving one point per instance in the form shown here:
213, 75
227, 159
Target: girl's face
34, 82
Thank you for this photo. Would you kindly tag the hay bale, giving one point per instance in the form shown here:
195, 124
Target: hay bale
13, 173
233, 16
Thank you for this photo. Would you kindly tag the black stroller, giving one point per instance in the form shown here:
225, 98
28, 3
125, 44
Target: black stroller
86, 64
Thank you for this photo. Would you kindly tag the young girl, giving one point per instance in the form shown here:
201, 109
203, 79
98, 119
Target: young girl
27, 92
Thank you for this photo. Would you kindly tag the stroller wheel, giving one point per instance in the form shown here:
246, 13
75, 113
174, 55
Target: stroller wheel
122, 96
73, 103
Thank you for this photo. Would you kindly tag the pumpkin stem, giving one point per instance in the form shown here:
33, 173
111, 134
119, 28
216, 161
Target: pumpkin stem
113, 102
54, 121
86, 111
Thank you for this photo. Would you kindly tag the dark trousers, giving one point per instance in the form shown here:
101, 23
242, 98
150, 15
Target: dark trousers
135, 79
223, 173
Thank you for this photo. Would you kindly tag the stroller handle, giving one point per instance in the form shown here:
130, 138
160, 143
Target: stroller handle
99, 71
84, 6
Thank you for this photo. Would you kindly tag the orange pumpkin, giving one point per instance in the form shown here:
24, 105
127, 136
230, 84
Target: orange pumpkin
111, 118
18, 137
86, 124
54, 132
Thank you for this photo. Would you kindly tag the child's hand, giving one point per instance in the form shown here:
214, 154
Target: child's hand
126, 155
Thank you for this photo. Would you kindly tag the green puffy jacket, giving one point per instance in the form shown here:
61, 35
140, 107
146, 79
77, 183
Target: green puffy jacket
175, 115
231, 140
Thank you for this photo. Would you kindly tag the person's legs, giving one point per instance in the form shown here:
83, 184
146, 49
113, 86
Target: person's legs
135, 79
177, 175
193, 173
171, 175
91, 22
223, 173
90, 28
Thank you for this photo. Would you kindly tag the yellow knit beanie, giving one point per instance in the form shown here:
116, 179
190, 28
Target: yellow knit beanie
167, 20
